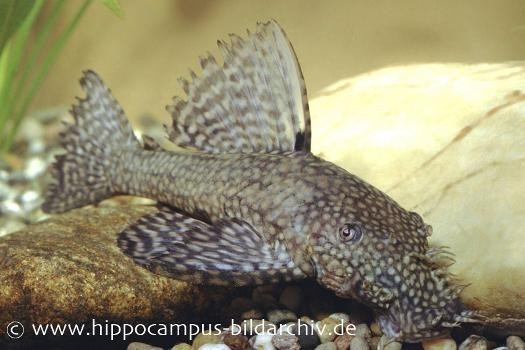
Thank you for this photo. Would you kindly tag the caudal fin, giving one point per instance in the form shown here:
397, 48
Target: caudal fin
93, 142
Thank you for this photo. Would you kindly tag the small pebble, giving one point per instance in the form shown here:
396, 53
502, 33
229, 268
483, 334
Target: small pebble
266, 288
252, 327
240, 305
321, 315
281, 316
340, 316
439, 344
376, 329
264, 300
288, 328
286, 342
11, 207
262, 294
291, 297
30, 200
362, 330
236, 342
374, 342
515, 343
204, 338
327, 329
306, 319
327, 346
359, 343
4, 174
182, 346
34, 167
6, 192
342, 342
307, 335
474, 342
262, 341
386, 344
252, 314
142, 346
211, 346
36, 147
308, 341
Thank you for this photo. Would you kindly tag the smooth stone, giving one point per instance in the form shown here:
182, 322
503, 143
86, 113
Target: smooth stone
308, 338
286, 342
141, 346
515, 343
306, 319
257, 326
236, 342
474, 342
374, 343
205, 338
376, 329
69, 269
214, 346
327, 328
264, 298
446, 141
287, 328
291, 297
359, 343
240, 305
262, 341
340, 316
281, 316
326, 346
392, 345
252, 314
362, 330
439, 344
342, 342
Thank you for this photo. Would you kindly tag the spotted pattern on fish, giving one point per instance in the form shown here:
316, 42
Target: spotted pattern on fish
230, 249
238, 107
249, 203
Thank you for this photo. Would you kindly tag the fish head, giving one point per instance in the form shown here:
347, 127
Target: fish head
376, 252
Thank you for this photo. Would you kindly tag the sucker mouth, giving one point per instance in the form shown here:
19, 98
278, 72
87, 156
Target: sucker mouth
405, 326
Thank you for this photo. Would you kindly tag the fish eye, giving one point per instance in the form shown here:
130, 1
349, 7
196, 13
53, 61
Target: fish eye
351, 232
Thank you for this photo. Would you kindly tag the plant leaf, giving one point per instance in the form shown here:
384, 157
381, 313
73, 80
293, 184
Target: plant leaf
114, 6
12, 15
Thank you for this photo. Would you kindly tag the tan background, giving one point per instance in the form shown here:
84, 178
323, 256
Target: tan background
141, 55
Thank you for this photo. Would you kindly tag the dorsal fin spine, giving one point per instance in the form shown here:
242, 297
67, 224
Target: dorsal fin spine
254, 102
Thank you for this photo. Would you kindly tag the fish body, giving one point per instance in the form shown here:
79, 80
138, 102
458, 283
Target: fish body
249, 203
284, 196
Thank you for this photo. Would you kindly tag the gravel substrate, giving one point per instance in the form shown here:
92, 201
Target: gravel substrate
23, 173
276, 326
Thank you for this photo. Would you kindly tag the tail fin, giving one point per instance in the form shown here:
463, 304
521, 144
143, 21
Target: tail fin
99, 133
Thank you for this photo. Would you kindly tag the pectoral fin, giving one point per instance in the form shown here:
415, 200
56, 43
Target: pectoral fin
176, 245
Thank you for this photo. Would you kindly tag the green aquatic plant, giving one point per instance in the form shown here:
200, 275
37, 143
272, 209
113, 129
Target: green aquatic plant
27, 54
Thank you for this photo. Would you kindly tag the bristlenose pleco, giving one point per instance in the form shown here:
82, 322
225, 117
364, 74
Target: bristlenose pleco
249, 203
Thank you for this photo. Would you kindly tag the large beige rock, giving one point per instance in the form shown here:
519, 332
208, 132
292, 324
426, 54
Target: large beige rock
448, 141
69, 269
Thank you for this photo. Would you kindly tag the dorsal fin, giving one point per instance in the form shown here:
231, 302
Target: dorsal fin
255, 102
